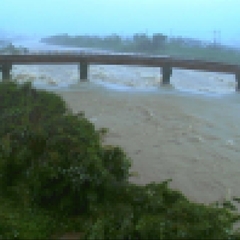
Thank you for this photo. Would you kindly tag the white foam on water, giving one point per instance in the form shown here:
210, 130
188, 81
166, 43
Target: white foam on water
203, 82
121, 77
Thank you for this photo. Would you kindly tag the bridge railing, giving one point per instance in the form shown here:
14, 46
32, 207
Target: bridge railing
71, 52
45, 52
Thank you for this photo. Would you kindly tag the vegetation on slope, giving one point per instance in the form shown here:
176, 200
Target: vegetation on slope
56, 176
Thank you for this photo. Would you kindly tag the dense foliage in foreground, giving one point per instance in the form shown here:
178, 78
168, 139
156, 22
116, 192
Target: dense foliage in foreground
57, 176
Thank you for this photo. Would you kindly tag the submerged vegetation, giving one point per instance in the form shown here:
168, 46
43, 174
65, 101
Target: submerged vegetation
56, 176
155, 44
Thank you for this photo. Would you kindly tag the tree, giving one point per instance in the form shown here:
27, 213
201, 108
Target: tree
142, 42
158, 41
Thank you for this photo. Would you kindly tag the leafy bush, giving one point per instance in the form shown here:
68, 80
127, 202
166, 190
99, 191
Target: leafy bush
72, 172
40, 104
18, 222
23, 111
116, 162
113, 222
59, 158
154, 211
6, 230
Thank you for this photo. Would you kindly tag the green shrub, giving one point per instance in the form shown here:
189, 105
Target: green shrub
113, 222
117, 163
72, 172
18, 222
6, 230
56, 155
40, 103
154, 211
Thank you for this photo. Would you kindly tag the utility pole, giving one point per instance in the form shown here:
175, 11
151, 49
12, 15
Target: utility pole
214, 38
219, 37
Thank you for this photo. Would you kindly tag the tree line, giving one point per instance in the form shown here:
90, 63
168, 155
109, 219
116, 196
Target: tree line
138, 42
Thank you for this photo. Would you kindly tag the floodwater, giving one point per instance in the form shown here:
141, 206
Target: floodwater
121, 78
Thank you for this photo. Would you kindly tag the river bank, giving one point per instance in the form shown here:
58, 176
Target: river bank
192, 139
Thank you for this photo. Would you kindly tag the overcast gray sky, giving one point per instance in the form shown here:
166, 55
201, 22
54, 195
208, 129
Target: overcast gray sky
195, 18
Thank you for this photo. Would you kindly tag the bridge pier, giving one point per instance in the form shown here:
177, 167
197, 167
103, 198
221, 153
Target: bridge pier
6, 69
237, 77
166, 72
83, 68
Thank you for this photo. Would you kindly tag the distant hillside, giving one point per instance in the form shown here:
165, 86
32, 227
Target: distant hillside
156, 44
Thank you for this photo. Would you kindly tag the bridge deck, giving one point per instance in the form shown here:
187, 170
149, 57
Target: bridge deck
116, 59
82, 59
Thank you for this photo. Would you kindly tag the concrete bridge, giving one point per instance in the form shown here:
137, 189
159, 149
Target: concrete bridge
85, 59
